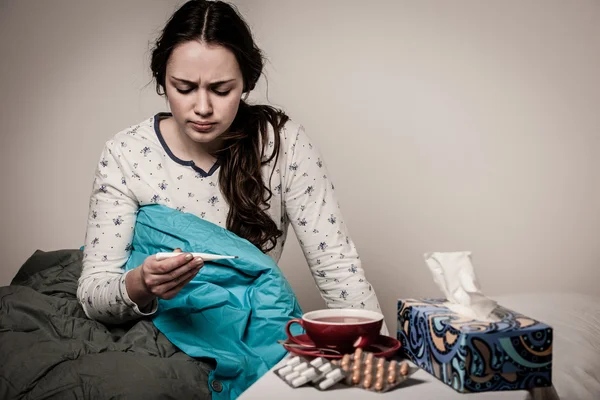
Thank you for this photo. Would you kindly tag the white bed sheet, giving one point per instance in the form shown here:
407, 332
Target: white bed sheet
575, 319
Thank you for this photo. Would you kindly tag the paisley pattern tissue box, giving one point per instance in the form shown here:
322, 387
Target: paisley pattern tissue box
475, 356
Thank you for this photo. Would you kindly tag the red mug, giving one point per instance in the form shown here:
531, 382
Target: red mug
342, 328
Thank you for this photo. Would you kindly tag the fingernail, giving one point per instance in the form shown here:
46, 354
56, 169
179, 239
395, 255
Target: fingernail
199, 260
189, 256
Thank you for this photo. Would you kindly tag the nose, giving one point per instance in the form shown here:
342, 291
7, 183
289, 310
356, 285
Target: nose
203, 106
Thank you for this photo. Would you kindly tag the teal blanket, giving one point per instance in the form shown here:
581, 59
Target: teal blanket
234, 310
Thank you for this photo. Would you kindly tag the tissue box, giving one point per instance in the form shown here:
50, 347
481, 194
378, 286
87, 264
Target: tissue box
474, 356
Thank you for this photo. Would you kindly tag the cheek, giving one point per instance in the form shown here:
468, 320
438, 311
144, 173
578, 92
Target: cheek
176, 103
230, 108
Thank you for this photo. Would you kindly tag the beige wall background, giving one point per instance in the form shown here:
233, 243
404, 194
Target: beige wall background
458, 125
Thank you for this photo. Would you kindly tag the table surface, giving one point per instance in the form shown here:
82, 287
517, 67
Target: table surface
421, 385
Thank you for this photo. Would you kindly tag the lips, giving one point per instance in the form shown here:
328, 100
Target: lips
202, 126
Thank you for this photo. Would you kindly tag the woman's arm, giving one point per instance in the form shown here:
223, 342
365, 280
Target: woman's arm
102, 289
313, 211
106, 292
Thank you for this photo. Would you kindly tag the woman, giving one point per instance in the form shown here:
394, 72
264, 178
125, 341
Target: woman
244, 167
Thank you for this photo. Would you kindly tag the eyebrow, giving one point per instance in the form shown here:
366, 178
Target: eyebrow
218, 83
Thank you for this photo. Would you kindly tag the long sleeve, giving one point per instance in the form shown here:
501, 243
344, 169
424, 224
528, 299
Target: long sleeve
313, 211
101, 290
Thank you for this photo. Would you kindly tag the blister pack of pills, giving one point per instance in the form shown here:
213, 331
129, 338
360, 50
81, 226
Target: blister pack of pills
320, 372
330, 374
361, 369
372, 373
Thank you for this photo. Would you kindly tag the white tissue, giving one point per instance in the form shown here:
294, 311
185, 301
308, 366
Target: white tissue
454, 274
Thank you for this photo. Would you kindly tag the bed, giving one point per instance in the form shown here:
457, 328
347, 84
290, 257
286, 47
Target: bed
49, 349
575, 319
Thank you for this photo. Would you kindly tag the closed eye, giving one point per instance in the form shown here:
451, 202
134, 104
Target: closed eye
184, 91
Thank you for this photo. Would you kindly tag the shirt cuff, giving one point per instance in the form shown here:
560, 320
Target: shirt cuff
148, 310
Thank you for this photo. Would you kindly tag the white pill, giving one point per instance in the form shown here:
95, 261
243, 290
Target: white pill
285, 370
325, 368
293, 361
301, 367
309, 373
334, 374
317, 362
326, 383
299, 381
292, 376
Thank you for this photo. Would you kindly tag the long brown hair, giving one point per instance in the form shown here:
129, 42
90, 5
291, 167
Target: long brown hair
244, 154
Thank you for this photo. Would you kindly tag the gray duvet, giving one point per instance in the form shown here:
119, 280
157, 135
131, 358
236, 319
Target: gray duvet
49, 349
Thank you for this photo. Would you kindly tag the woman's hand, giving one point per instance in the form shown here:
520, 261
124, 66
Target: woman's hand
162, 279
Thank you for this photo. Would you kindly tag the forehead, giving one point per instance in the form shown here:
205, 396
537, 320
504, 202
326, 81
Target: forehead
199, 62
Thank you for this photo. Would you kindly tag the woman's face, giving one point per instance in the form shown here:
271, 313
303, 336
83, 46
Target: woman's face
203, 84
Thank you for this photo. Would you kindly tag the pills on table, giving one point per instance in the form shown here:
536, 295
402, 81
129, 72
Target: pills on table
309, 373
293, 361
317, 362
356, 376
301, 367
325, 368
368, 380
292, 376
320, 372
345, 362
404, 369
392, 372
326, 383
299, 381
334, 374
358, 353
